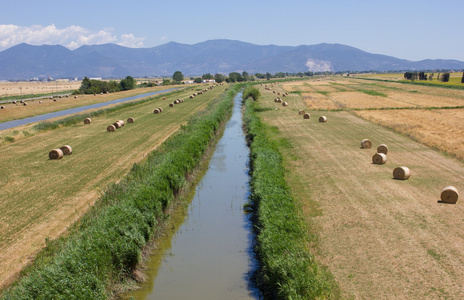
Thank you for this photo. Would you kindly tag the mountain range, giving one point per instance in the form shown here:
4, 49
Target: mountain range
25, 61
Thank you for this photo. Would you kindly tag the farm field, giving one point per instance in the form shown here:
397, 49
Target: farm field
42, 197
34, 108
30, 87
381, 238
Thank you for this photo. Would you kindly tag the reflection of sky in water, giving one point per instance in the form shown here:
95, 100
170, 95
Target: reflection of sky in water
209, 256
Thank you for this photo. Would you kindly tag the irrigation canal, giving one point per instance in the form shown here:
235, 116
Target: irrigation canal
63, 113
207, 253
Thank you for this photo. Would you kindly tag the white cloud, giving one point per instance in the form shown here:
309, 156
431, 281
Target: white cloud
129, 40
71, 37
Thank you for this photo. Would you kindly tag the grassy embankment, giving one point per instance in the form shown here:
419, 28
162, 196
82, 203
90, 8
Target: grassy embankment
288, 270
105, 246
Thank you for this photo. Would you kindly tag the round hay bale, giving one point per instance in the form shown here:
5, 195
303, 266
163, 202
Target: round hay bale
87, 121
130, 120
382, 148
67, 150
14, 102
379, 158
164, 98
21, 101
191, 96
401, 173
322, 119
111, 128
118, 124
55, 154
366, 144
156, 111
160, 109
171, 104
177, 101
75, 97
60, 96
284, 104
449, 195
121, 122
2, 107
306, 116
54, 100
40, 102
24, 103
301, 112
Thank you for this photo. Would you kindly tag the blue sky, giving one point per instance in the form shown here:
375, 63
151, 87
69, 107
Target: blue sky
408, 29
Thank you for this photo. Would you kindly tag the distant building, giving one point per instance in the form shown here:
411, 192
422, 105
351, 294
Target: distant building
208, 81
189, 81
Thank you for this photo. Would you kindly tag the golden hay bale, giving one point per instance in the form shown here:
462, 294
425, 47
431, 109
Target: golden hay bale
379, 158
121, 122
401, 173
66, 149
87, 121
449, 195
171, 104
191, 96
55, 154
176, 101
306, 116
382, 148
366, 144
111, 128
160, 109
75, 97
24, 103
54, 100
301, 112
130, 120
40, 102
284, 104
14, 102
322, 119
2, 107
164, 98
156, 111
21, 101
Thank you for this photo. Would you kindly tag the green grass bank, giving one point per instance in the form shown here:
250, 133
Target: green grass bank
288, 270
103, 249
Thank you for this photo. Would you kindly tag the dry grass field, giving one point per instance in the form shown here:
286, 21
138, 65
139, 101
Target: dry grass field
42, 197
34, 107
381, 238
29, 88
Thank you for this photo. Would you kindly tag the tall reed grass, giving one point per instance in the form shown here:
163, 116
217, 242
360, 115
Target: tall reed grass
288, 270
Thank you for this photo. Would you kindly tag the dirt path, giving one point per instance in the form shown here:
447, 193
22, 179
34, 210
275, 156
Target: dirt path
381, 238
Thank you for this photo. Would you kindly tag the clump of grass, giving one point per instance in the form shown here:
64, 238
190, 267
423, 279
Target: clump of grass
325, 93
105, 246
288, 270
9, 139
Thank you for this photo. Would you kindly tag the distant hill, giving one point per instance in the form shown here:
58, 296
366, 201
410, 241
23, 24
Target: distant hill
25, 61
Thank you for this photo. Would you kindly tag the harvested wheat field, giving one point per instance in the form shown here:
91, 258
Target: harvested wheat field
37, 87
42, 197
16, 110
381, 238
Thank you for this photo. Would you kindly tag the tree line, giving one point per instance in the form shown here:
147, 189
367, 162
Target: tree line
443, 77
94, 86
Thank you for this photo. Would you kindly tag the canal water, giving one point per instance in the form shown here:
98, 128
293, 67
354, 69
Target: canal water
208, 252
62, 113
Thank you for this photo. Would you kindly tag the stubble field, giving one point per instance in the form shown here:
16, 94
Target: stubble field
42, 197
381, 238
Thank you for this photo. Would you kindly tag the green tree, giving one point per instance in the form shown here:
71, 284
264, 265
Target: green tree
462, 79
197, 80
219, 78
268, 75
207, 76
178, 76
127, 83
166, 82
245, 76
235, 77
259, 75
